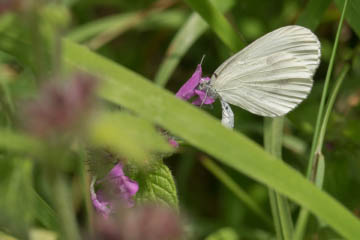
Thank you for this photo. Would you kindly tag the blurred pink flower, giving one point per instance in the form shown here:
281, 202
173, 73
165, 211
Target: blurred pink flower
173, 143
10, 5
122, 189
59, 108
149, 222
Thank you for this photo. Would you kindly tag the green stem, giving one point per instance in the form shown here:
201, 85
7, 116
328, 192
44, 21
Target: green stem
276, 214
330, 105
85, 182
324, 94
7, 104
64, 208
319, 133
304, 213
218, 23
279, 204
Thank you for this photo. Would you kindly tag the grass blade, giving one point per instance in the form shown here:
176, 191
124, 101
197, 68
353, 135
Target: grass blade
319, 161
183, 40
235, 188
91, 29
218, 23
310, 17
122, 86
312, 169
324, 94
330, 106
353, 14
279, 205
169, 18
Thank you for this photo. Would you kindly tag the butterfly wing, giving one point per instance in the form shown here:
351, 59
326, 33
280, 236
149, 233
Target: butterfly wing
272, 75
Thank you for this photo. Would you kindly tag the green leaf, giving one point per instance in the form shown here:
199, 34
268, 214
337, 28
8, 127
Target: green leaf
170, 18
4, 236
17, 142
91, 29
130, 136
320, 129
42, 234
223, 234
194, 27
124, 87
16, 200
43, 212
330, 105
273, 139
352, 15
217, 22
156, 185
319, 179
311, 16
294, 143
235, 188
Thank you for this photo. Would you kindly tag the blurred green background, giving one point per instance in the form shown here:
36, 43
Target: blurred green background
209, 204
142, 45
138, 33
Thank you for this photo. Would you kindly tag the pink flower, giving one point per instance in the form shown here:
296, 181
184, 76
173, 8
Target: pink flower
189, 89
173, 143
59, 108
10, 5
147, 222
121, 187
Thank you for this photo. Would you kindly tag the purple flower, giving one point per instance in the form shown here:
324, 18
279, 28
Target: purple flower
120, 188
10, 5
125, 187
59, 108
189, 89
100, 205
147, 222
173, 143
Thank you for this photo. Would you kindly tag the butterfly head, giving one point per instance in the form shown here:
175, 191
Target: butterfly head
205, 86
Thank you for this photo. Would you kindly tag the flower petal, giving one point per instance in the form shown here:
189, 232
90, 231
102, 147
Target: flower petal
203, 98
102, 207
188, 89
125, 187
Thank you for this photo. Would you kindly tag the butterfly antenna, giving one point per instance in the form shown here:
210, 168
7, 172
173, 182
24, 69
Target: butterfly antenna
202, 59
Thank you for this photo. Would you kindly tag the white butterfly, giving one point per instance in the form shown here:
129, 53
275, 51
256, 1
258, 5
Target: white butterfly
269, 77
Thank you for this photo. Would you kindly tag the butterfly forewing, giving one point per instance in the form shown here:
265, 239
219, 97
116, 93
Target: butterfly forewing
272, 75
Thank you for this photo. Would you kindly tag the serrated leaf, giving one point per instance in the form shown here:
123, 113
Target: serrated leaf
157, 185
